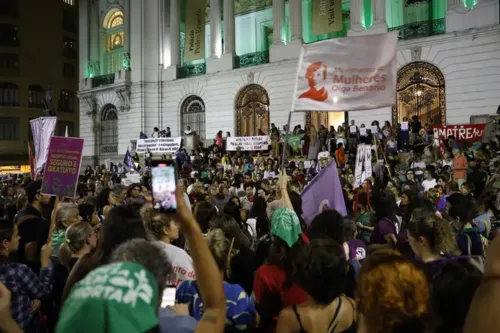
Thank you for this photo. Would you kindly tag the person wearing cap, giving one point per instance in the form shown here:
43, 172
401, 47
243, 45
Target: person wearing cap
33, 227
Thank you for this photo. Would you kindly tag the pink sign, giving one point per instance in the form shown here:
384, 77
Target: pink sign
63, 167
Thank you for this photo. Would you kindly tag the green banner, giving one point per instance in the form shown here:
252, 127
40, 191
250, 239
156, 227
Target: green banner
194, 45
294, 141
326, 16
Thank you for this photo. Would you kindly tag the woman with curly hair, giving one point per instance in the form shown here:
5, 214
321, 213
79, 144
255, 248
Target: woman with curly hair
392, 295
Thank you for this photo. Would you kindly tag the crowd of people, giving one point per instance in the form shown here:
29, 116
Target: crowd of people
415, 252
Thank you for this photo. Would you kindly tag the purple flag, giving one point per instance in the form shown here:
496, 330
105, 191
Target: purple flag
322, 193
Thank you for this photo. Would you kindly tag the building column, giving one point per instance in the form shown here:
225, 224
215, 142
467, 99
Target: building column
296, 20
229, 29
175, 40
356, 28
95, 65
379, 17
83, 37
215, 29
126, 28
278, 20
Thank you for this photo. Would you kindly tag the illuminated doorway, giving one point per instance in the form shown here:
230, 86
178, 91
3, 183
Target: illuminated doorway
252, 111
421, 93
326, 119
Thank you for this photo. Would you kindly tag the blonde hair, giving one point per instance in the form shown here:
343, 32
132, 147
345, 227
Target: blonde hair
65, 211
75, 239
220, 247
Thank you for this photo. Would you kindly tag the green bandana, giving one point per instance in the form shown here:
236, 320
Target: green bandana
294, 141
116, 298
285, 225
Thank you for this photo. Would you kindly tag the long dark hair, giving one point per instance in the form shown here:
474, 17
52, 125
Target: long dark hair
121, 224
286, 258
259, 213
231, 229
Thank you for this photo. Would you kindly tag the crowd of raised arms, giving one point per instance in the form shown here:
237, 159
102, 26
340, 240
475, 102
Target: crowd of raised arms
415, 253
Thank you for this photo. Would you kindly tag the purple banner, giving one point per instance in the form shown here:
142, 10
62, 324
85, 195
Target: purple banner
63, 167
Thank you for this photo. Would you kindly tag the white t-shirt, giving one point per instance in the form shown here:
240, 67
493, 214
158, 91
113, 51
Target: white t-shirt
181, 263
428, 184
418, 165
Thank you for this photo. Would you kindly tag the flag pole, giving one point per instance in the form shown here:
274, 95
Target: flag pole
285, 143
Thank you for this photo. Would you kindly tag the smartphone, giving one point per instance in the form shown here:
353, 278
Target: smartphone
163, 183
168, 297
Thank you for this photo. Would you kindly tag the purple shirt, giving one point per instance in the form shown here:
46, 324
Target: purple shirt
441, 205
385, 226
357, 249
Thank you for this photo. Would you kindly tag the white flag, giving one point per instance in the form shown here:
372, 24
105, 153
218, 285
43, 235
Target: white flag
43, 129
347, 74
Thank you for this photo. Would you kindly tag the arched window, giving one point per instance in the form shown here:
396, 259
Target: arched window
66, 101
193, 115
109, 130
35, 96
115, 37
9, 94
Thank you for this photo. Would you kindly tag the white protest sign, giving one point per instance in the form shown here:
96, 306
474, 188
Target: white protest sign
347, 74
358, 170
158, 145
363, 169
368, 161
132, 178
248, 143
353, 129
404, 126
362, 131
374, 129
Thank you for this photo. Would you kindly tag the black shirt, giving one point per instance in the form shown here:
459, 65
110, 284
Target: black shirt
416, 126
35, 229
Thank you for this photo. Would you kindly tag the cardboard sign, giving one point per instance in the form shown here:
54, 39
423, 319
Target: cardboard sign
62, 169
158, 145
248, 143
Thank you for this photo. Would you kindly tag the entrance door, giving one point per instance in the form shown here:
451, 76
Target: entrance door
252, 111
420, 92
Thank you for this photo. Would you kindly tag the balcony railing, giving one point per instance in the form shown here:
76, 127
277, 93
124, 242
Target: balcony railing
420, 29
192, 70
109, 149
103, 80
253, 59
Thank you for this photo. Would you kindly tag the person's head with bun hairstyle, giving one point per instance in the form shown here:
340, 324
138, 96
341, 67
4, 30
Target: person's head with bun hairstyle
80, 239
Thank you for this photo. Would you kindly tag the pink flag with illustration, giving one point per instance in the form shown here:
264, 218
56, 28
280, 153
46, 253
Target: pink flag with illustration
347, 74
62, 169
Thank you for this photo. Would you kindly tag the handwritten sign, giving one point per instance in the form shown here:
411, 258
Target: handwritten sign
353, 129
462, 133
362, 131
404, 126
248, 143
158, 145
64, 158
